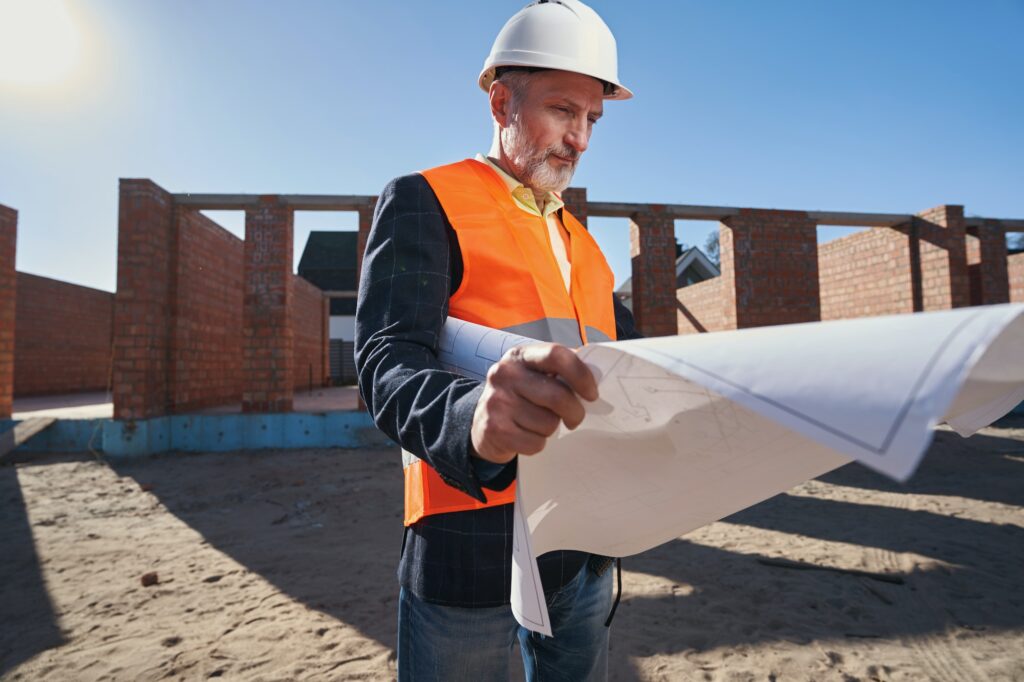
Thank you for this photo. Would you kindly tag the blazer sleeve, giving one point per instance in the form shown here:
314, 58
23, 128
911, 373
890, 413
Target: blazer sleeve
402, 305
625, 326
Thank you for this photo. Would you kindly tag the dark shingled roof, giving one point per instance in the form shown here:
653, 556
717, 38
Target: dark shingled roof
329, 260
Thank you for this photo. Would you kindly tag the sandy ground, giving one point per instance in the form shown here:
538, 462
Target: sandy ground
280, 566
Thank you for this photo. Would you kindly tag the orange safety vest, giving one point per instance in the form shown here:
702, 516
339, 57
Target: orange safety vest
510, 281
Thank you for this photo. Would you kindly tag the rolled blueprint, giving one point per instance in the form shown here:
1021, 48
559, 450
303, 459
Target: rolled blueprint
691, 429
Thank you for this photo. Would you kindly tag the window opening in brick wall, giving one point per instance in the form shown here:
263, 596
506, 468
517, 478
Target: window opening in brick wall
702, 235
1015, 242
232, 221
325, 256
612, 235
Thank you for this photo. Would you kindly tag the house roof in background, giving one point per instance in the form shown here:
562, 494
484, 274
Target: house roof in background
692, 257
329, 260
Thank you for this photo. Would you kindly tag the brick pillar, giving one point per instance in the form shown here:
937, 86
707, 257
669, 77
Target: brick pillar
268, 355
942, 254
769, 268
8, 299
989, 278
575, 199
652, 246
142, 304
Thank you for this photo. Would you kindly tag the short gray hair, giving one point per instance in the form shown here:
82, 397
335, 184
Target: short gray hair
518, 83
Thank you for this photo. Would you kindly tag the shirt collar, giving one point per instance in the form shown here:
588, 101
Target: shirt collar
523, 195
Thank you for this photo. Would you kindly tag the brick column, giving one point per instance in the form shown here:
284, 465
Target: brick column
142, 304
769, 268
942, 254
268, 344
8, 299
652, 246
575, 199
986, 257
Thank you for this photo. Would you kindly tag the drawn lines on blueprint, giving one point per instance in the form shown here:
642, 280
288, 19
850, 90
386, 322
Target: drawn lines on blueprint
463, 350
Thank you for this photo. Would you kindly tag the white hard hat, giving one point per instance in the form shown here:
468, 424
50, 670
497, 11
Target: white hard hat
557, 34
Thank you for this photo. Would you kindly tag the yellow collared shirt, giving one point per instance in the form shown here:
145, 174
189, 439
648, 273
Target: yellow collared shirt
524, 199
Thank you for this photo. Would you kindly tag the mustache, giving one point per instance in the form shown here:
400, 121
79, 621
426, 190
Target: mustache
567, 153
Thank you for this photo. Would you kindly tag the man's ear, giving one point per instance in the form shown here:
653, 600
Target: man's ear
499, 96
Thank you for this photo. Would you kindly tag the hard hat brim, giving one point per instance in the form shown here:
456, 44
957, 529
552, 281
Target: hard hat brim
620, 92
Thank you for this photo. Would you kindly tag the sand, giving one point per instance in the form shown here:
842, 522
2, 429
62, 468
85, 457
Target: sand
280, 566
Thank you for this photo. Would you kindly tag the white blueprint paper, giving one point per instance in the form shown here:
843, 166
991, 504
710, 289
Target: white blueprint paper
690, 429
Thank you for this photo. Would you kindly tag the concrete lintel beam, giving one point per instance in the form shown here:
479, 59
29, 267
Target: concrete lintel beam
297, 202
859, 219
605, 209
1008, 224
688, 212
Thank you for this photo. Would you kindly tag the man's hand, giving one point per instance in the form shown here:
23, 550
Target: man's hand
528, 393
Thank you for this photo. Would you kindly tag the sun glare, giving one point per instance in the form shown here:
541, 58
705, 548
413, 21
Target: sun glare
40, 43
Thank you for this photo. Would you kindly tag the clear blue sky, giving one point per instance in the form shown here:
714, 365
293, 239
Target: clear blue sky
857, 106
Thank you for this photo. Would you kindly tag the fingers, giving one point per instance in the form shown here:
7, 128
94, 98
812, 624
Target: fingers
528, 393
495, 433
547, 392
559, 361
535, 419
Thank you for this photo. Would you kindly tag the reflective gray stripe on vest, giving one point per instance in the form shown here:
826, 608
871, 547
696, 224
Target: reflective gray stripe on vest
408, 459
595, 335
557, 330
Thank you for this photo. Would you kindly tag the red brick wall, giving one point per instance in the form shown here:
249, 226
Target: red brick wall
701, 308
943, 248
268, 350
986, 259
769, 268
142, 304
64, 337
866, 274
8, 286
207, 315
1015, 264
575, 199
652, 246
310, 338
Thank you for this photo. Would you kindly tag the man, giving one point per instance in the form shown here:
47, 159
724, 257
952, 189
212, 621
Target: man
489, 240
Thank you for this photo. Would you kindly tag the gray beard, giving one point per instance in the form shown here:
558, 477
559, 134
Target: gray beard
531, 163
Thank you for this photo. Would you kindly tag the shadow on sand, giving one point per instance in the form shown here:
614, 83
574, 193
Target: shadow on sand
29, 624
308, 521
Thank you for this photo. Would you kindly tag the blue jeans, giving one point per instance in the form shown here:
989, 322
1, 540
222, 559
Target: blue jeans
451, 644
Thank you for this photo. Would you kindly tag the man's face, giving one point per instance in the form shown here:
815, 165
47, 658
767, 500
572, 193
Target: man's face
548, 129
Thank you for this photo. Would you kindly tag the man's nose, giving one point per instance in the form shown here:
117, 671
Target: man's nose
578, 136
